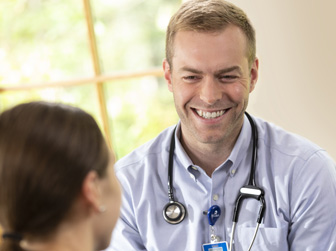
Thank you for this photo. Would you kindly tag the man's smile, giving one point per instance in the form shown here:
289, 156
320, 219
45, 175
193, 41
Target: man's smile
210, 115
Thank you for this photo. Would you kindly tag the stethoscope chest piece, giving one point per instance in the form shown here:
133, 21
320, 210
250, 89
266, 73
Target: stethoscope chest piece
174, 212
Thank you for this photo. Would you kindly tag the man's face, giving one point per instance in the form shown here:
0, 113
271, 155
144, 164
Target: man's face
210, 79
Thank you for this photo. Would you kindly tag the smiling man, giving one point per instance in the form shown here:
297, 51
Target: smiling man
220, 162
211, 78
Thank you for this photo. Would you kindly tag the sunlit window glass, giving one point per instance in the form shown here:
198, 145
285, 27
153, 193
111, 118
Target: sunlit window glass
46, 42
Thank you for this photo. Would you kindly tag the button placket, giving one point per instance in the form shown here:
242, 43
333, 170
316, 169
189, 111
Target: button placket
233, 172
219, 178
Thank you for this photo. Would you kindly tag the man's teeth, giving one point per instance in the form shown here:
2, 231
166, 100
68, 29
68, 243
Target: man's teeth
210, 115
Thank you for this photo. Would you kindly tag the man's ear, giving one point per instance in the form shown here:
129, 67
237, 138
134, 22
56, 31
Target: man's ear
167, 74
254, 74
91, 192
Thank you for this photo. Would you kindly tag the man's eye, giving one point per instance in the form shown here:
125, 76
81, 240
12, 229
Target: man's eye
190, 78
228, 77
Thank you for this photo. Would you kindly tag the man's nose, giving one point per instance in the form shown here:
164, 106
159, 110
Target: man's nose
210, 91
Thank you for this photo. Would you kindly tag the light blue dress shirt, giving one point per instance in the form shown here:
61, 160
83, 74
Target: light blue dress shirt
298, 177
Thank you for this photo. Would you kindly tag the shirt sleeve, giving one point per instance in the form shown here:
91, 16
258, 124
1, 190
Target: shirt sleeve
125, 235
313, 205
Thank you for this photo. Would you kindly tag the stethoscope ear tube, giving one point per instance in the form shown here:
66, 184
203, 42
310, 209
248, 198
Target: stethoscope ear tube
173, 212
246, 192
262, 209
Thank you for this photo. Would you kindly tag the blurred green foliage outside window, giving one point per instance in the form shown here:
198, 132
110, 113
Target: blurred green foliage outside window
47, 41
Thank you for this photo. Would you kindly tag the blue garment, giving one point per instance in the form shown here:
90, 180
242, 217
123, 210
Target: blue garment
298, 177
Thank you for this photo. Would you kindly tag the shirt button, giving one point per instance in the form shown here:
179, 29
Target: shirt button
233, 171
194, 167
215, 197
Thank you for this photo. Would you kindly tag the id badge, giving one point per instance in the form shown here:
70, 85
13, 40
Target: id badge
218, 246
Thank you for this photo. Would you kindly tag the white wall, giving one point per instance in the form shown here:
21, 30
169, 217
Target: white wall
296, 45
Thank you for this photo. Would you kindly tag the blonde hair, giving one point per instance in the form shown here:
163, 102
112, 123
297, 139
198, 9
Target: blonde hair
209, 16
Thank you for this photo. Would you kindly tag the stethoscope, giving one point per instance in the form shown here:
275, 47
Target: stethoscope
174, 212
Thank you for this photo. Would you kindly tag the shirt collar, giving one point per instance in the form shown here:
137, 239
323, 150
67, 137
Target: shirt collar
182, 156
240, 149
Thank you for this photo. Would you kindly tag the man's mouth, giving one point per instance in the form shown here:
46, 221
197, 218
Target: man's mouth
210, 115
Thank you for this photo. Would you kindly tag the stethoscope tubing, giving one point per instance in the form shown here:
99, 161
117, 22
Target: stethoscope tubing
248, 191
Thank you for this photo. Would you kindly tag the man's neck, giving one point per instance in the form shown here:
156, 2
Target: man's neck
208, 156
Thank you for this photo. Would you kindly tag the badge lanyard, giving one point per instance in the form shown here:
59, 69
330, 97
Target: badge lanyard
213, 214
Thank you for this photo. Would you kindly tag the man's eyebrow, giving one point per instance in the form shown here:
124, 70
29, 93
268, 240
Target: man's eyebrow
189, 69
219, 72
229, 69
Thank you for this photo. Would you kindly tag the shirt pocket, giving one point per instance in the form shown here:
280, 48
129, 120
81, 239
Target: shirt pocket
267, 239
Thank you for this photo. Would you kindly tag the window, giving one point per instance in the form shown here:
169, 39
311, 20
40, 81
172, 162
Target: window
114, 73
